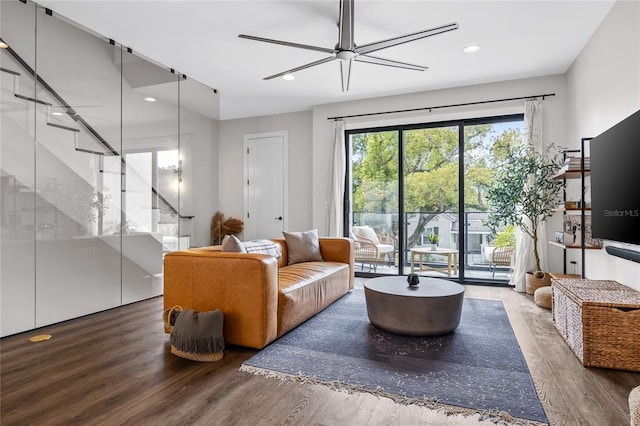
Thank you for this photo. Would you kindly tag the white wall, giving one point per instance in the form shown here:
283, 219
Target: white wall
230, 177
554, 119
603, 87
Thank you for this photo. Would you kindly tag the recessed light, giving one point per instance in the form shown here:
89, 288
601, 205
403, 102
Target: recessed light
58, 113
3, 45
149, 99
288, 77
471, 49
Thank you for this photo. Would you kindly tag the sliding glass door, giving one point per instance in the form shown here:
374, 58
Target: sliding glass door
417, 196
486, 256
431, 163
375, 195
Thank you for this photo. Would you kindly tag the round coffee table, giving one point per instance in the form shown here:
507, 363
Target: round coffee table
430, 309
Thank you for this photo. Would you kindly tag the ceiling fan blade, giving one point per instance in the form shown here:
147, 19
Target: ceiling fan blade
389, 63
345, 26
286, 43
291, 71
383, 44
345, 69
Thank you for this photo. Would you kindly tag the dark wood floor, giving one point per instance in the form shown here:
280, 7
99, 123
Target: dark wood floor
115, 368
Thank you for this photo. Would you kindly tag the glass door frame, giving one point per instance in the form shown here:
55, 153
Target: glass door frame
461, 124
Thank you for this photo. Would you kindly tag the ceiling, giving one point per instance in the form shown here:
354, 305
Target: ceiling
519, 39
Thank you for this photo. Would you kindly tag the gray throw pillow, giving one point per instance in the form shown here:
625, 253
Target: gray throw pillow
302, 246
231, 243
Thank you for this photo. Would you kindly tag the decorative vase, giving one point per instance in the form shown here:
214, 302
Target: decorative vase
434, 246
413, 280
536, 280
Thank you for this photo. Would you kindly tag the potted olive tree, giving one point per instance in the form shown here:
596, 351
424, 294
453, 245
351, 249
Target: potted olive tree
524, 193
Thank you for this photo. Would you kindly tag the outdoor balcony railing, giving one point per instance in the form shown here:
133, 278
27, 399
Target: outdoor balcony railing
476, 257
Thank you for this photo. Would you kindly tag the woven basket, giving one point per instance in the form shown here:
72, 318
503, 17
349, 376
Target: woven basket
197, 336
169, 318
534, 281
213, 356
599, 319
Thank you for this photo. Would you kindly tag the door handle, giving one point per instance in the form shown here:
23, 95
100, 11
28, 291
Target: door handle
278, 218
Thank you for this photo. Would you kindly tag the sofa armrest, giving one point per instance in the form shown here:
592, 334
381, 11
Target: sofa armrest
243, 286
339, 250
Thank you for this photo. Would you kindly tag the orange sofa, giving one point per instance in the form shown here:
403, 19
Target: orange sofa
260, 296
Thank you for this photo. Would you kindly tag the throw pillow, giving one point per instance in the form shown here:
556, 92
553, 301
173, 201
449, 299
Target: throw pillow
231, 243
303, 246
263, 247
366, 232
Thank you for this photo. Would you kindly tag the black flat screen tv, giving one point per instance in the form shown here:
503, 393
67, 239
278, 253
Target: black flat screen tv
615, 182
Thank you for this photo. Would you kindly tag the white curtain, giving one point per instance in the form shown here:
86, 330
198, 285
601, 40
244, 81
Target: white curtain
336, 210
524, 244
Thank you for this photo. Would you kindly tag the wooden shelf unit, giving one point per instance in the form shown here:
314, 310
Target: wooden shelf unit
576, 209
583, 210
563, 246
571, 174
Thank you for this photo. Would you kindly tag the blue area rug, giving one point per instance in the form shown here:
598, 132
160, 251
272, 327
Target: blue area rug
478, 368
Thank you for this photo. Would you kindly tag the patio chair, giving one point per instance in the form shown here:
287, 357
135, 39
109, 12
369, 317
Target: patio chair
366, 254
385, 245
500, 256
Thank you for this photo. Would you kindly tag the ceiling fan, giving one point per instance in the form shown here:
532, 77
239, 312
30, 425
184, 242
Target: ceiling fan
347, 51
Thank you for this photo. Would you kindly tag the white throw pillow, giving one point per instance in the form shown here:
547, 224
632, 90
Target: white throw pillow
366, 232
231, 243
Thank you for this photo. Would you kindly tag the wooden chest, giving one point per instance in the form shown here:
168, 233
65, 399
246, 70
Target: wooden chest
600, 320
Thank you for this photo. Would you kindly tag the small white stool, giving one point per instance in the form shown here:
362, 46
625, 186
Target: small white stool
634, 406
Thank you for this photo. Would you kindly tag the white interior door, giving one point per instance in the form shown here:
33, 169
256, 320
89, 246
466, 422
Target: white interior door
266, 191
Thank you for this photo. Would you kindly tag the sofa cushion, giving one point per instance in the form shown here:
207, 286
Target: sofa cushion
366, 232
302, 246
304, 289
231, 243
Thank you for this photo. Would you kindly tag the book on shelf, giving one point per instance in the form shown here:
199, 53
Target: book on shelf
574, 164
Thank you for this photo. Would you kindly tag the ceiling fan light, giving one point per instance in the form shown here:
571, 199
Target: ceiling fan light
472, 48
57, 113
288, 77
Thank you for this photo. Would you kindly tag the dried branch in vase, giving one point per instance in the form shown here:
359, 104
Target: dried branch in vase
221, 227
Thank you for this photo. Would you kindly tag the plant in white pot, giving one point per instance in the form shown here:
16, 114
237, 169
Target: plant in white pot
433, 241
524, 193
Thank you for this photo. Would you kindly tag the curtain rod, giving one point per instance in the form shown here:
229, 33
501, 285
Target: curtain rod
443, 106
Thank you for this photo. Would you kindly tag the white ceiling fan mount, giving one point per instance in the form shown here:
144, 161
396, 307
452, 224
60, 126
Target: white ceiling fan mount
347, 51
